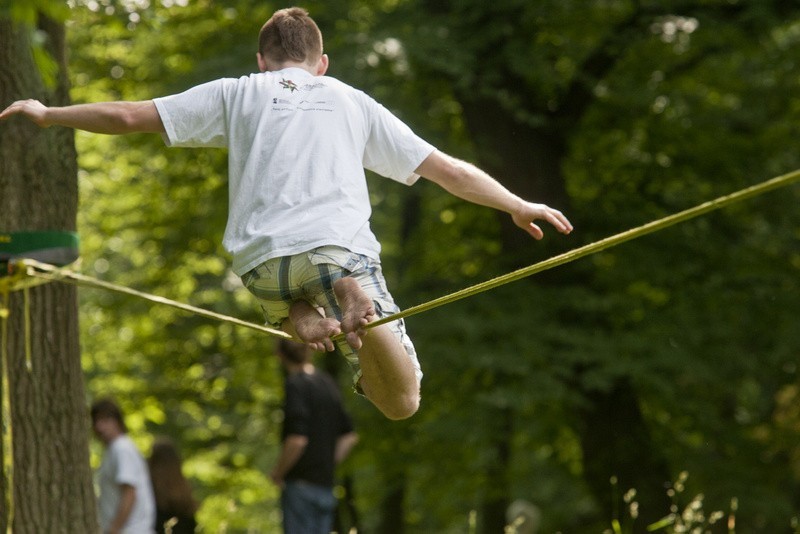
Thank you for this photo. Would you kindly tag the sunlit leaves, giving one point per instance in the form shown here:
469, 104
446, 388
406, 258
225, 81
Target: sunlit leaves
703, 98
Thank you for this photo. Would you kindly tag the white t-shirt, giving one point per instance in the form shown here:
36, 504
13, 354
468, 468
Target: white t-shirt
122, 464
298, 145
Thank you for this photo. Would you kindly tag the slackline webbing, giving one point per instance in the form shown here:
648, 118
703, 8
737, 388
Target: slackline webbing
37, 269
19, 280
42, 270
597, 246
5, 414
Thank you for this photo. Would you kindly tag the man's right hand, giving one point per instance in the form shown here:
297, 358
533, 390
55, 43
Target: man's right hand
32, 109
531, 211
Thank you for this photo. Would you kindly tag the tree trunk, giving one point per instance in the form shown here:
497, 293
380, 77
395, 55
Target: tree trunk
527, 161
52, 480
392, 516
497, 491
616, 443
615, 437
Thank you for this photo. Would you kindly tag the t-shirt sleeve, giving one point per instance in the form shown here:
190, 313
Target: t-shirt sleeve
129, 463
196, 117
393, 150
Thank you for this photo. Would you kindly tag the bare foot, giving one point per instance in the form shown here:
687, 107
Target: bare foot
357, 309
312, 327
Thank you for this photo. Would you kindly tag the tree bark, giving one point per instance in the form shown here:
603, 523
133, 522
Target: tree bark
497, 492
617, 443
528, 160
52, 479
392, 516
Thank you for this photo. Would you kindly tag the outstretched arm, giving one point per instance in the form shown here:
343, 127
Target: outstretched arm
466, 181
101, 117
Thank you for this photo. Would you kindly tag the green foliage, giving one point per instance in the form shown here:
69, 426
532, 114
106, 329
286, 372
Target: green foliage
701, 99
27, 13
153, 220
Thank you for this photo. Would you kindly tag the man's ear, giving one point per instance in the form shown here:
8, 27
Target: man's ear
322, 65
262, 64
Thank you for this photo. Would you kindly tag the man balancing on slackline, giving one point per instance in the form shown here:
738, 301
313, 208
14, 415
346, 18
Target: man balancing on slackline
298, 222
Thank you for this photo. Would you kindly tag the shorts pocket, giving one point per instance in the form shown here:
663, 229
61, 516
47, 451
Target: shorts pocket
342, 258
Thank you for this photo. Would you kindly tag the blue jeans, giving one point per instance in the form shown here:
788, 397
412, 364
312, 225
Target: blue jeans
307, 508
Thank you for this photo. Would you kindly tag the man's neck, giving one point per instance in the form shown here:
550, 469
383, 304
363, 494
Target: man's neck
306, 368
111, 439
294, 65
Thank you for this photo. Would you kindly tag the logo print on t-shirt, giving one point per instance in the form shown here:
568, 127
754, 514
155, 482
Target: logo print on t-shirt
288, 84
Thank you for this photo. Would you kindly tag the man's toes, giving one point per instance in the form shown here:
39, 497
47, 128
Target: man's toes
354, 340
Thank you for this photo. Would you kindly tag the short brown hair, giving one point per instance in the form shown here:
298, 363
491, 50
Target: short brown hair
293, 351
290, 35
107, 408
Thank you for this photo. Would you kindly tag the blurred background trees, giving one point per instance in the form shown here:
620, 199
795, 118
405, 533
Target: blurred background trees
676, 352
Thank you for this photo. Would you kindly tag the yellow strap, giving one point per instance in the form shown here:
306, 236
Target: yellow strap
5, 415
597, 246
14, 281
27, 312
49, 272
52, 273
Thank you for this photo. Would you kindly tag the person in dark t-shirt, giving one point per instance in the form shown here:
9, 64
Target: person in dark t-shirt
317, 434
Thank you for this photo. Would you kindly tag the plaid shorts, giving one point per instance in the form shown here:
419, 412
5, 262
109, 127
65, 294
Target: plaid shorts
309, 276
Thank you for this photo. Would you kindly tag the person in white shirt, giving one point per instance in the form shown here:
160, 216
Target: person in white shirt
126, 504
298, 222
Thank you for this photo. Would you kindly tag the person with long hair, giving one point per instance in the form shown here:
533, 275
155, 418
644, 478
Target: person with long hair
175, 505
